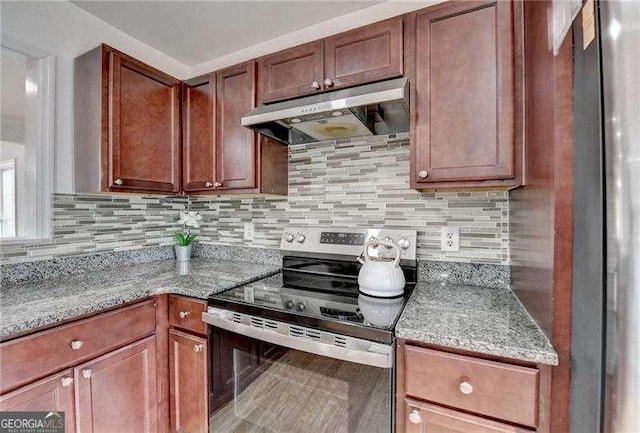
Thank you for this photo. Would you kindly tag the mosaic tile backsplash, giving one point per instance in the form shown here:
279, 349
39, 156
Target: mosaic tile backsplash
345, 183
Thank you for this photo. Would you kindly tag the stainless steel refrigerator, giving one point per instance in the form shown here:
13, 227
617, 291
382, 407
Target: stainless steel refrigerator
605, 392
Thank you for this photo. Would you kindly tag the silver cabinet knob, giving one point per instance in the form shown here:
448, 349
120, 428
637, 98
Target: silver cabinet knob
328, 82
465, 387
414, 417
423, 174
300, 238
183, 314
66, 381
197, 348
404, 243
208, 184
289, 237
315, 85
86, 373
217, 184
76, 344
118, 181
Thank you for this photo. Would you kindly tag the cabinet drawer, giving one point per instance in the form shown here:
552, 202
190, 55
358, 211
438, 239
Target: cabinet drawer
29, 358
186, 313
490, 388
424, 417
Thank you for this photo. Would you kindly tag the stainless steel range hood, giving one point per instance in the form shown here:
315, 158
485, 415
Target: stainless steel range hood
372, 109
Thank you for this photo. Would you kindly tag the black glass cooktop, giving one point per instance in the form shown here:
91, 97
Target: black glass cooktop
329, 302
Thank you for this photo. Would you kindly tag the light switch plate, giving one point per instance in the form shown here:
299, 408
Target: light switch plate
450, 238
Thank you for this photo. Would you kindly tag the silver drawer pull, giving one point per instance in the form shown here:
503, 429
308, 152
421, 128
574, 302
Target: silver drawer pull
76, 344
415, 417
86, 373
423, 174
66, 381
197, 348
118, 181
208, 184
184, 314
217, 184
465, 387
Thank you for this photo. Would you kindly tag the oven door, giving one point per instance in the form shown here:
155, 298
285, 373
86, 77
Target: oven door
274, 377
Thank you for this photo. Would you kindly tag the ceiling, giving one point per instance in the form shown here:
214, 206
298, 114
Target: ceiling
194, 32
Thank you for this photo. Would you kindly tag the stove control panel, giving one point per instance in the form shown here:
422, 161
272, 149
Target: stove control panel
342, 238
347, 240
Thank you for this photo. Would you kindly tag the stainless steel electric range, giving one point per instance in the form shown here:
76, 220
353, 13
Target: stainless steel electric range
304, 350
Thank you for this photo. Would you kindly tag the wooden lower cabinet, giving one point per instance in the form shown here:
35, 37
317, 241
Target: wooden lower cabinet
188, 379
53, 393
117, 391
424, 417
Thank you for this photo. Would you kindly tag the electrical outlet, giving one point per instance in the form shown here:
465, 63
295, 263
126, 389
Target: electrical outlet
249, 230
450, 239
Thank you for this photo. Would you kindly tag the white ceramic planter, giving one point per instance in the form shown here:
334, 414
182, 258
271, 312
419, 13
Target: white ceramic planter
183, 254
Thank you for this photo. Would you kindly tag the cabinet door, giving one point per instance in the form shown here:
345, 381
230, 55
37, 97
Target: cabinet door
198, 143
52, 394
292, 73
464, 89
236, 146
188, 377
142, 150
364, 55
117, 391
423, 417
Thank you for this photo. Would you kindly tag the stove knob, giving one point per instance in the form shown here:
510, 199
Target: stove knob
390, 241
301, 238
289, 237
404, 243
301, 306
288, 304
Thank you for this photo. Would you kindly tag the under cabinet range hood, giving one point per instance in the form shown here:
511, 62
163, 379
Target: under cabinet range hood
371, 109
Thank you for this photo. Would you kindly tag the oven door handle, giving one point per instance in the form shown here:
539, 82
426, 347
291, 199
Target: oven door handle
378, 355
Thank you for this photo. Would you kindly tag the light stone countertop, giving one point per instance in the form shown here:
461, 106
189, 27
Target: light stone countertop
30, 305
477, 319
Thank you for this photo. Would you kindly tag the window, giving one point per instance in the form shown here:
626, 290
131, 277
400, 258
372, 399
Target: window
8, 201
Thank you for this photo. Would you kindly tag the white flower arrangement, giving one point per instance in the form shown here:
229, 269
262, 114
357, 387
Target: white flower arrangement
189, 219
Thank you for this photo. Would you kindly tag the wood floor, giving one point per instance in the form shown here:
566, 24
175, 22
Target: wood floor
312, 394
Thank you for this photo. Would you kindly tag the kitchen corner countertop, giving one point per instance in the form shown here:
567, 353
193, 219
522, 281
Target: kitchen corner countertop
27, 306
477, 319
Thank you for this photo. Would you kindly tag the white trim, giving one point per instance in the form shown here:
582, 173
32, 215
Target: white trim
43, 66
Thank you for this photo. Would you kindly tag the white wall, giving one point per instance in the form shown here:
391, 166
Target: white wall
68, 31
362, 17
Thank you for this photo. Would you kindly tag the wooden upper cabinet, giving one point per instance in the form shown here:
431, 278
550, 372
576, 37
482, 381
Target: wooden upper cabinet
359, 56
198, 137
141, 146
292, 73
464, 121
236, 146
367, 54
117, 392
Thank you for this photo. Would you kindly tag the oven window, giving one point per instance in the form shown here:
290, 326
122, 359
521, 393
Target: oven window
259, 387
